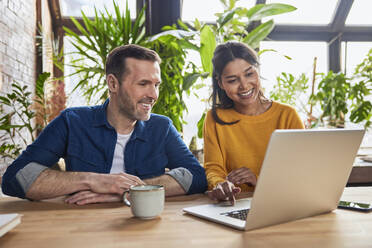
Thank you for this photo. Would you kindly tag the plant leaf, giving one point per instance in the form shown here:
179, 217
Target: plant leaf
207, 46
260, 11
258, 34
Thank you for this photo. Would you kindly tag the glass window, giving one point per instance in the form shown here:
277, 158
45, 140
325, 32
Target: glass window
302, 59
360, 13
205, 10
352, 54
74, 7
308, 12
74, 98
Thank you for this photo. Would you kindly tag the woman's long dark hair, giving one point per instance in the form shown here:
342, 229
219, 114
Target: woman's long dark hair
224, 54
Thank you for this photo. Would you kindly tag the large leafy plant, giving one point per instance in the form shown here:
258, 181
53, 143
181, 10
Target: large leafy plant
97, 37
340, 96
177, 76
17, 116
361, 107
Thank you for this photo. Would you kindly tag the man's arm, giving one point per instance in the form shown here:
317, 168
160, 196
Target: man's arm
51, 183
171, 186
184, 167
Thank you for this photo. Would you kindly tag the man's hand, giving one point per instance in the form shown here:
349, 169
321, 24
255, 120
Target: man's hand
224, 191
113, 183
242, 175
87, 197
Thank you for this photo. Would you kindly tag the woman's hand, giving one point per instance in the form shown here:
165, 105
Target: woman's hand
224, 191
242, 175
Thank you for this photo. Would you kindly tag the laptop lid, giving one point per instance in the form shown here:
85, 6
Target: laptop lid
303, 174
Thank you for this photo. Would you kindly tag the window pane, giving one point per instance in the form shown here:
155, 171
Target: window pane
204, 10
308, 12
74, 7
75, 98
360, 13
355, 53
302, 58
302, 54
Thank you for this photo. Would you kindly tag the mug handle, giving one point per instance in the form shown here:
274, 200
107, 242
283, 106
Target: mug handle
125, 200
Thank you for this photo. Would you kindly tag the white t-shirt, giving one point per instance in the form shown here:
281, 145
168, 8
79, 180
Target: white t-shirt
118, 164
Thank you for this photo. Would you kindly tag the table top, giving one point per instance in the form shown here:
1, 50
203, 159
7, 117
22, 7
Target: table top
53, 223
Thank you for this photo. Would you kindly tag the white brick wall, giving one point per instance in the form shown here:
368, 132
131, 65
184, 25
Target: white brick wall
17, 46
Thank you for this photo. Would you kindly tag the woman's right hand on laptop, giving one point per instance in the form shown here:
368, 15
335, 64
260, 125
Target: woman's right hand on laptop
224, 191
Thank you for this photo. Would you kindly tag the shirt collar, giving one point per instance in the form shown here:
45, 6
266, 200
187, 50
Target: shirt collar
139, 131
100, 116
100, 119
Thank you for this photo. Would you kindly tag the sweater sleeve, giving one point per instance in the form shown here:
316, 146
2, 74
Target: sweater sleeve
214, 165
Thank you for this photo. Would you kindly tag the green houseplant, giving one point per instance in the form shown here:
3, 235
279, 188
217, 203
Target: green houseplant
339, 95
98, 36
332, 95
17, 116
361, 107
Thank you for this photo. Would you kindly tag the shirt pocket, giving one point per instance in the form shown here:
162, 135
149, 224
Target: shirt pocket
80, 158
153, 166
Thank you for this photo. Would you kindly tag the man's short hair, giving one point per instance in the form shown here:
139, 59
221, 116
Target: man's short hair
115, 62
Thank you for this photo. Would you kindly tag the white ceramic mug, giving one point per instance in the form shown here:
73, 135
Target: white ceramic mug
146, 201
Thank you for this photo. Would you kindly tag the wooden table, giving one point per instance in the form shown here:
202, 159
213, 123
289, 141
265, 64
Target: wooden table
55, 224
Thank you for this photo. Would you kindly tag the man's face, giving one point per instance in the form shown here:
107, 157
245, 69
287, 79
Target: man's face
139, 89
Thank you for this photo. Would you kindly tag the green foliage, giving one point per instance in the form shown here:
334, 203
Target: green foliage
200, 126
175, 79
362, 108
289, 89
333, 92
98, 37
339, 95
17, 117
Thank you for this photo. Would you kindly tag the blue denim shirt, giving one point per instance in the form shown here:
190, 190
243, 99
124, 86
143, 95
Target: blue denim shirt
86, 141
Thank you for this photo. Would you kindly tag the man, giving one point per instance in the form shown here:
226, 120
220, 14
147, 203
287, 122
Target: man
109, 148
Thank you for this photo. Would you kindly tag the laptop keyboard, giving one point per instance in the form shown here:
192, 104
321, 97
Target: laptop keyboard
237, 214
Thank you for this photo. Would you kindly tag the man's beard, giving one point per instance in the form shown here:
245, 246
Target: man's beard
129, 110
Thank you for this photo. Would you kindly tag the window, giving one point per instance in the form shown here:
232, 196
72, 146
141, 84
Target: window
352, 54
308, 12
302, 58
204, 10
360, 13
74, 7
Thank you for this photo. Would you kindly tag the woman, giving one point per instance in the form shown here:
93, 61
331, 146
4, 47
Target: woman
238, 127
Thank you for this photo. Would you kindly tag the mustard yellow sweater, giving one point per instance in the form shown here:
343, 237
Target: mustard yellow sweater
229, 147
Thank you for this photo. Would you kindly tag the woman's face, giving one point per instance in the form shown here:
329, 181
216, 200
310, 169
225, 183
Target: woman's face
241, 82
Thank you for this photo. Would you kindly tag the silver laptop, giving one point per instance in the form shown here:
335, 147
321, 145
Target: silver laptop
303, 174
